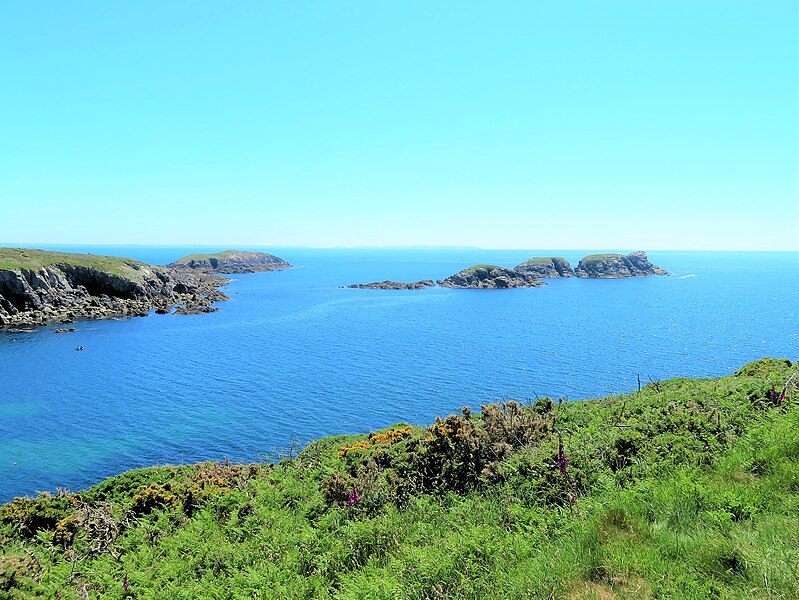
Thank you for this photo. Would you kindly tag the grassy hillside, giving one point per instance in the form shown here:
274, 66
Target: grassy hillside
24, 258
686, 489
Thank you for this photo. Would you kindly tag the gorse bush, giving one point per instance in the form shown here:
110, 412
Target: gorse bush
685, 489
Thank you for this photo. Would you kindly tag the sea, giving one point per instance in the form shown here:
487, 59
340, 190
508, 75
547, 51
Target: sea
294, 356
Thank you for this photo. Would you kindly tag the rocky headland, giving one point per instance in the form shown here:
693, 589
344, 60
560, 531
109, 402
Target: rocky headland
546, 267
614, 266
231, 262
38, 287
488, 277
393, 285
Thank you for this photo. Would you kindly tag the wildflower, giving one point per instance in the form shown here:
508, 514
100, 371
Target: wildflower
125, 583
354, 497
563, 463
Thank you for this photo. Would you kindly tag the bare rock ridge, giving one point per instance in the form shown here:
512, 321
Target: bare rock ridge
490, 276
614, 266
39, 287
231, 262
393, 285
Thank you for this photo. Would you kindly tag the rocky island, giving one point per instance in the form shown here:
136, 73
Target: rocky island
614, 266
490, 276
393, 285
39, 287
231, 262
546, 267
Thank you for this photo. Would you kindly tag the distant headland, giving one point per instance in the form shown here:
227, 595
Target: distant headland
38, 287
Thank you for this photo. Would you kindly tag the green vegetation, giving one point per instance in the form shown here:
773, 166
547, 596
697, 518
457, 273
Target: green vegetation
474, 268
24, 258
543, 260
684, 489
200, 257
602, 258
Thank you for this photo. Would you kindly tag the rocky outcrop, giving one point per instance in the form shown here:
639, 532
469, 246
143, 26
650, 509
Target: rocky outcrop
614, 266
490, 276
84, 286
546, 267
393, 285
231, 262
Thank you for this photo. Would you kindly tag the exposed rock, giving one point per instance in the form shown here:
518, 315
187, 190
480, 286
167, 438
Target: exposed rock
195, 310
162, 311
64, 329
614, 266
490, 276
231, 261
39, 287
546, 267
393, 285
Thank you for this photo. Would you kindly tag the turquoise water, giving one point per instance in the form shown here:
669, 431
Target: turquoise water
294, 356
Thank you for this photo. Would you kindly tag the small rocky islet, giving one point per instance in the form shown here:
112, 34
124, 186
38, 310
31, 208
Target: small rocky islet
38, 287
528, 273
231, 262
393, 285
490, 277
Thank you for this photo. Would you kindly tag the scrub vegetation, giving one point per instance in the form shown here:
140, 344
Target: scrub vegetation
684, 489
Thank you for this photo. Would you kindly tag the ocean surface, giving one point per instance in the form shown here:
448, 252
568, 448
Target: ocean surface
293, 356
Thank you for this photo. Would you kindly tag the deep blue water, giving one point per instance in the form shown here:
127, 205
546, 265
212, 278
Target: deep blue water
294, 355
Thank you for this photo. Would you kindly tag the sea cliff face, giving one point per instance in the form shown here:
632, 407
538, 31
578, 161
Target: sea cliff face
39, 287
231, 261
490, 276
614, 266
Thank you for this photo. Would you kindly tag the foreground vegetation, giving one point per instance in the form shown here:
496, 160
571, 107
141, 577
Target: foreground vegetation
685, 489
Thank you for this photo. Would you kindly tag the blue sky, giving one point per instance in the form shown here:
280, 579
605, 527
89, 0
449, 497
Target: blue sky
622, 124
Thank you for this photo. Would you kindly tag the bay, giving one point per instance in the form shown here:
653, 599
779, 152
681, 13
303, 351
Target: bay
294, 356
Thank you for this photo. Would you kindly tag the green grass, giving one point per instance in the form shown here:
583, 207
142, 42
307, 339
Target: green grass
219, 255
601, 258
544, 260
538, 260
686, 489
474, 268
23, 258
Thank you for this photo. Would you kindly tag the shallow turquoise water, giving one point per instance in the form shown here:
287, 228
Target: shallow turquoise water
293, 355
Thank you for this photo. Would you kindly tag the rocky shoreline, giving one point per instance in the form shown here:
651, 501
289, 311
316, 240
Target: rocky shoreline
490, 277
61, 288
617, 266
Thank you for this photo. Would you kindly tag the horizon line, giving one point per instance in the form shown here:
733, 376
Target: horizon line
31, 245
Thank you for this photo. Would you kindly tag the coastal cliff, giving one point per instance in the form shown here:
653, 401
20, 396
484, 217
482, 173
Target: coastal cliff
39, 287
231, 262
615, 266
490, 276
546, 267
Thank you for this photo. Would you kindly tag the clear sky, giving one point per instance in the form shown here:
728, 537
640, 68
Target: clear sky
582, 124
